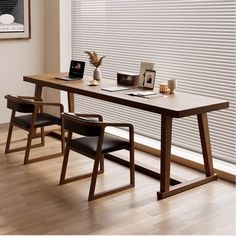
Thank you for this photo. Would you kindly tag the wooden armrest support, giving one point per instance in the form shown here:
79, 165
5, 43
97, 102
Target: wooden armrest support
30, 97
130, 126
39, 103
89, 116
119, 125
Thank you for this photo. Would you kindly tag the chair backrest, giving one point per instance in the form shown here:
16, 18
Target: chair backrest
81, 125
19, 104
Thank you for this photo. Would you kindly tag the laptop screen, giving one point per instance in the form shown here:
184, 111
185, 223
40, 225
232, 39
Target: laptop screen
76, 69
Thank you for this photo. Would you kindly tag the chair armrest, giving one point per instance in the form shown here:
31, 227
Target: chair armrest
30, 97
128, 125
90, 116
39, 103
119, 125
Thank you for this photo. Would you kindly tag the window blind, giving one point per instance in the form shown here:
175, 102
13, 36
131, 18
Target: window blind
191, 41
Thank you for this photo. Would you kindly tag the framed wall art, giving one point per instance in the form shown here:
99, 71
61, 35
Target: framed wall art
14, 19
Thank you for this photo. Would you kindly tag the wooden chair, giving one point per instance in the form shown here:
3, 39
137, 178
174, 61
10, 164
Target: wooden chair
33, 119
94, 143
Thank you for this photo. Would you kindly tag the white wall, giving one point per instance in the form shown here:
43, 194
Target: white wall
47, 51
58, 45
22, 57
52, 32
58, 49
52, 46
65, 43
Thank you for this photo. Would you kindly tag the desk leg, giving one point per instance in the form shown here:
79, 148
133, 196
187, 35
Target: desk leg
38, 96
38, 92
166, 130
165, 159
206, 145
71, 101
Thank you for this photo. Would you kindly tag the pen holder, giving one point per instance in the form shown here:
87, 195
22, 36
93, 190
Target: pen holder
172, 84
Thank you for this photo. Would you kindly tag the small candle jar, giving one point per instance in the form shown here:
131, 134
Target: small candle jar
164, 88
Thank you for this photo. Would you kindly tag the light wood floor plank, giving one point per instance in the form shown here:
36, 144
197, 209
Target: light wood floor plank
32, 202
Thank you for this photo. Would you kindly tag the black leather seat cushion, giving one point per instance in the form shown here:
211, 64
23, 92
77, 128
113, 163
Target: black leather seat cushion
42, 119
89, 144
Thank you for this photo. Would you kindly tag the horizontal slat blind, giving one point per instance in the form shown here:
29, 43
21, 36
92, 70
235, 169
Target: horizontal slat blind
191, 41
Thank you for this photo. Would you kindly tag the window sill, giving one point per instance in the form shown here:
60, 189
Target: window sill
181, 156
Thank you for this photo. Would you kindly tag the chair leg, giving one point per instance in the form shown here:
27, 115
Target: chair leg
62, 140
93, 196
7, 148
64, 166
42, 136
94, 178
102, 164
132, 167
28, 146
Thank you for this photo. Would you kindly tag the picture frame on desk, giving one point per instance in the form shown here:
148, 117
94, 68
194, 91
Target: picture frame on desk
15, 19
143, 67
149, 79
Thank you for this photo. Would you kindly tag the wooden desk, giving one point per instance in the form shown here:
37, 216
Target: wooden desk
172, 106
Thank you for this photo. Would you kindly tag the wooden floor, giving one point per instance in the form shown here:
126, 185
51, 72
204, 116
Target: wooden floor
32, 202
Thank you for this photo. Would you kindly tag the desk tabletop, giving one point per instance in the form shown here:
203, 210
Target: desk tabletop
174, 105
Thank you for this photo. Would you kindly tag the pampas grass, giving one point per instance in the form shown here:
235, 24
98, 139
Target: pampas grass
94, 59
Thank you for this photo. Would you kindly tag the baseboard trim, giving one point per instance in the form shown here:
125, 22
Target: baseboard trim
225, 171
188, 163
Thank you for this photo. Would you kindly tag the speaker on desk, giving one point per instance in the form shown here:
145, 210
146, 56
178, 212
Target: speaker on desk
127, 79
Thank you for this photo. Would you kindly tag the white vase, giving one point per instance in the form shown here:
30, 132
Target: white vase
97, 74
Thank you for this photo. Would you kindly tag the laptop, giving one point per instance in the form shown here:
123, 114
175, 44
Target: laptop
76, 71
